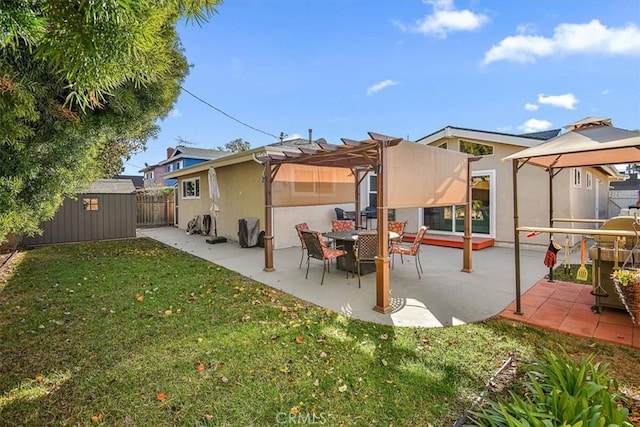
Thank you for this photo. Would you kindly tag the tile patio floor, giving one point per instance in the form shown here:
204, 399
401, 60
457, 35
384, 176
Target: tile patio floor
565, 307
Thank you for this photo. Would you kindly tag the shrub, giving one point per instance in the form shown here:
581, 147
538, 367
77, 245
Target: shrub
560, 392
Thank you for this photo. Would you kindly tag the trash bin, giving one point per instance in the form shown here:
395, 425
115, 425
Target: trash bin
248, 231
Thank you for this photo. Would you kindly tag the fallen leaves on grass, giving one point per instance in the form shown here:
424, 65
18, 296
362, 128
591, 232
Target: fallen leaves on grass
200, 367
139, 297
161, 396
299, 339
96, 418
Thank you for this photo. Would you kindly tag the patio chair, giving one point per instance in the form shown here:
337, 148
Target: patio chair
316, 248
370, 212
398, 228
365, 250
342, 225
342, 214
303, 247
410, 249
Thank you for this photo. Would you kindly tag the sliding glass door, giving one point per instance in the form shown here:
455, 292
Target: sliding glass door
450, 219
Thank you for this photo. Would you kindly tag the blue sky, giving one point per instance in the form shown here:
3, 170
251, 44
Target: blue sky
403, 68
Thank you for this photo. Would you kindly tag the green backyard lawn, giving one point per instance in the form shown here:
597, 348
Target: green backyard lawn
133, 332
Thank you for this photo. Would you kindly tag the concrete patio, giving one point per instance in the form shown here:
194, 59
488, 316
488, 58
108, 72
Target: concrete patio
444, 296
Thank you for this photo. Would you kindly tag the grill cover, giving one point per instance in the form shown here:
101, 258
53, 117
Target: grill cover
248, 231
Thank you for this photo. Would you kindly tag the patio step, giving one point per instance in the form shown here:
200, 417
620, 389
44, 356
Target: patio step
477, 243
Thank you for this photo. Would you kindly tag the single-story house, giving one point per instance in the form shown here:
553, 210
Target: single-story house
241, 189
240, 177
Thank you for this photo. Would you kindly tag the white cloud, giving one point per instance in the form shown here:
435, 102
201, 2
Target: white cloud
589, 38
531, 107
504, 129
605, 92
379, 86
445, 19
535, 125
175, 113
568, 100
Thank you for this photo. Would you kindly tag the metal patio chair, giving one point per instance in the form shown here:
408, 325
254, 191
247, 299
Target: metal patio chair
410, 249
318, 249
365, 250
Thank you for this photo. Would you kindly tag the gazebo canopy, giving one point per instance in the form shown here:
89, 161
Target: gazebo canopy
588, 142
592, 142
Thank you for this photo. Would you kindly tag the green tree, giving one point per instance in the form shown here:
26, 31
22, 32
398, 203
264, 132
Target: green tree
82, 85
236, 146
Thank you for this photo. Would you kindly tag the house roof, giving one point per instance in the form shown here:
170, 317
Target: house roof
523, 140
138, 180
291, 145
183, 152
630, 183
110, 186
588, 142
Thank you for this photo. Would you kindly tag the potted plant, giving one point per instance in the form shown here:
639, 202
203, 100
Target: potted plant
627, 283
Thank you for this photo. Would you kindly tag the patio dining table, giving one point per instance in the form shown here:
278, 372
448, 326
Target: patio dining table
347, 240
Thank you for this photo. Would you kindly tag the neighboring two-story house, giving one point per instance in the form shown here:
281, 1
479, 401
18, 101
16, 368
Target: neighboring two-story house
178, 158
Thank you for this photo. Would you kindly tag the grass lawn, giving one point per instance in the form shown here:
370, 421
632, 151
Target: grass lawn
133, 332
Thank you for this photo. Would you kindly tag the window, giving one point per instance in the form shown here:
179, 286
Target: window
90, 204
148, 175
443, 145
577, 177
191, 188
589, 180
373, 189
476, 149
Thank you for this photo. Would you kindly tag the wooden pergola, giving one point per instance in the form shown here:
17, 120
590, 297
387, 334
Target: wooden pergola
441, 182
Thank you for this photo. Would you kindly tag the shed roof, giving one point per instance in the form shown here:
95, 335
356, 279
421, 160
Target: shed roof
110, 186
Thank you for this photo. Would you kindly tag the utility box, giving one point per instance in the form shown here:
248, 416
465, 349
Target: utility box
248, 231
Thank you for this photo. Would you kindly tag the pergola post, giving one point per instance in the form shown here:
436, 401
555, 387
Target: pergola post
467, 245
268, 212
382, 259
356, 177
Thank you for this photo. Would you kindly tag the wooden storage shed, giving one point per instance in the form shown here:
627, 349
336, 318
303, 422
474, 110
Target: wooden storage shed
106, 210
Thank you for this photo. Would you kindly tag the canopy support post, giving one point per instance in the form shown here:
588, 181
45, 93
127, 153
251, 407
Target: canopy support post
551, 175
516, 236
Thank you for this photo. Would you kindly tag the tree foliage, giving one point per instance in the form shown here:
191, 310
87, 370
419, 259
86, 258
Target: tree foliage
236, 146
82, 85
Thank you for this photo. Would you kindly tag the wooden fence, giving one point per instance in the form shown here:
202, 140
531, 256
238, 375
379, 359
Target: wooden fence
155, 208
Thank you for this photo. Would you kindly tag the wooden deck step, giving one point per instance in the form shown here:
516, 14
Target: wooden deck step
477, 243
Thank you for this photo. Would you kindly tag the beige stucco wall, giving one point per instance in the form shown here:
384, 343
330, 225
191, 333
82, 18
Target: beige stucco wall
317, 218
241, 196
